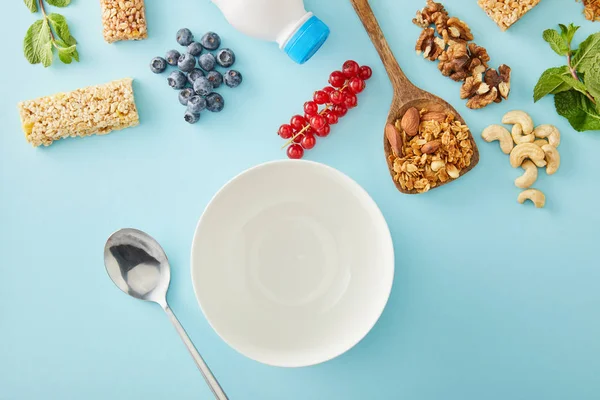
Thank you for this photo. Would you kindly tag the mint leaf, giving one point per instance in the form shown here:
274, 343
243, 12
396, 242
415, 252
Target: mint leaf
578, 109
75, 55
32, 5
551, 82
61, 28
574, 84
65, 56
59, 3
568, 32
37, 43
583, 59
592, 81
556, 42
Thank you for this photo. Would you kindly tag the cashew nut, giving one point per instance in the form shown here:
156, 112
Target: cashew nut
552, 158
521, 118
540, 142
536, 196
529, 177
550, 132
499, 133
518, 137
527, 150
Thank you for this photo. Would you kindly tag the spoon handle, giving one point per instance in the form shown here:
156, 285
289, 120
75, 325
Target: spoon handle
206, 372
365, 13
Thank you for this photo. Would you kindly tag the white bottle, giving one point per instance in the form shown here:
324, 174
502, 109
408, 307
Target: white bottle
298, 32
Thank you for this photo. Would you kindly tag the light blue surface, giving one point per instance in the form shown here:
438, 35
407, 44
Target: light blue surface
491, 300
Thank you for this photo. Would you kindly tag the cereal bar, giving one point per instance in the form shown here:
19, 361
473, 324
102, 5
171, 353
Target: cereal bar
83, 112
506, 12
123, 20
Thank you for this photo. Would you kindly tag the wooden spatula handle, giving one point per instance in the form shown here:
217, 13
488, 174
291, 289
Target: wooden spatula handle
397, 77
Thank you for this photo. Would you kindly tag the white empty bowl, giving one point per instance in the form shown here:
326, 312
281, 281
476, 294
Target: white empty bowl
292, 263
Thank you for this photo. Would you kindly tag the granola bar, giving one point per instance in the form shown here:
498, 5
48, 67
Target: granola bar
506, 12
123, 20
83, 112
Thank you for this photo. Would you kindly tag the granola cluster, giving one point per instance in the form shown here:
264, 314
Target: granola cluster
438, 153
449, 40
506, 12
591, 9
123, 20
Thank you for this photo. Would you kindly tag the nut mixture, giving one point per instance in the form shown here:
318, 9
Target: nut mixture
591, 9
96, 109
506, 12
432, 148
123, 20
459, 58
529, 148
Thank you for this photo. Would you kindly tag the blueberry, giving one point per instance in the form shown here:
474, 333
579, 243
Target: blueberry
186, 62
184, 37
214, 102
185, 95
195, 49
158, 65
202, 86
191, 118
194, 74
232, 78
215, 78
210, 41
207, 62
172, 56
225, 58
177, 80
196, 104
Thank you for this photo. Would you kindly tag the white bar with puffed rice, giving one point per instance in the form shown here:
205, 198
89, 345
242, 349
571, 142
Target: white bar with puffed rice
83, 112
506, 12
123, 20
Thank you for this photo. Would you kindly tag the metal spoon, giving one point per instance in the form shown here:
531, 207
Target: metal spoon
139, 266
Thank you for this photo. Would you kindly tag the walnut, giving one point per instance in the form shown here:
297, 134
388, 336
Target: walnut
456, 31
473, 86
483, 100
430, 46
433, 11
478, 53
500, 80
454, 62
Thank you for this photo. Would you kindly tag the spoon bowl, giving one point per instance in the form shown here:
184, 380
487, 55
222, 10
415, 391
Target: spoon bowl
406, 94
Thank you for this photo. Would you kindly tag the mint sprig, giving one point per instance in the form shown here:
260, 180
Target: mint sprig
48, 34
576, 86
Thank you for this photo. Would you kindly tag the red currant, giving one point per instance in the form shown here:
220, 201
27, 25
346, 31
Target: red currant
295, 151
298, 137
317, 122
356, 84
308, 141
328, 89
324, 131
350, 68
340, 110
350, 100
337, 97
311, 108
337, 79
365, 72
286, 131
332, 118
298, 122
320, 97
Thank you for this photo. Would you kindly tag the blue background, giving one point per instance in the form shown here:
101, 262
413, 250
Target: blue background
491, 299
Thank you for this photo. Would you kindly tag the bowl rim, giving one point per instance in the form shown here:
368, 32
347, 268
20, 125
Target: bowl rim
364, 198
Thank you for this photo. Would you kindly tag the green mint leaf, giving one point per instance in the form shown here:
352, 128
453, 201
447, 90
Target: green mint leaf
568, 32
556, 42
46, 54
65, 56
592, 81
37, 42
588, 49
574, 84
551, 82
75, 55
61, 28
32, 5
59, 3
578, 109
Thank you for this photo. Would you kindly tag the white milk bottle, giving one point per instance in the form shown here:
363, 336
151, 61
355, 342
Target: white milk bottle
298, 32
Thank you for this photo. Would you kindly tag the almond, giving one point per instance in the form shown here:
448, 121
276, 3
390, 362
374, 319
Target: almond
434, 116
393, 136
411, 121
431, 147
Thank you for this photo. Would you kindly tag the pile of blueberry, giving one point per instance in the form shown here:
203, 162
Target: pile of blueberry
197, 85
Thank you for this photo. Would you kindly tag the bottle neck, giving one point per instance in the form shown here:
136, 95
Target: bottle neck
289, 31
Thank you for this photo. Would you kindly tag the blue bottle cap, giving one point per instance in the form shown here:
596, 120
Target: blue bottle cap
307, 40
